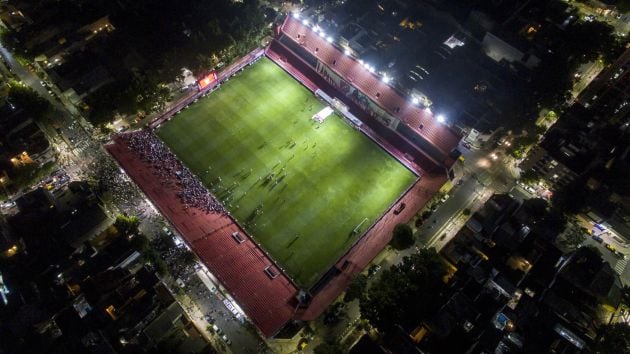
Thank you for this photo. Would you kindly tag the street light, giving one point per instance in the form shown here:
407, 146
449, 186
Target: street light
4, 186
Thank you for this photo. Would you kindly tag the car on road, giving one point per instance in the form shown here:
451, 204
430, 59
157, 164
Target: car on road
610, 247
598, 239
8, 204
226, 340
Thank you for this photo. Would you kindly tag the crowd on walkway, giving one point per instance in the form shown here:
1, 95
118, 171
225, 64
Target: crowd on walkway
171, 172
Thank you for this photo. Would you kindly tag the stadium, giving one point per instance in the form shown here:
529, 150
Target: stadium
286, 172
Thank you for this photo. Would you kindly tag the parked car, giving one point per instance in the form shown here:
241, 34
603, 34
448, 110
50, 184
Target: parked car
400, 208
373, 269
598, 239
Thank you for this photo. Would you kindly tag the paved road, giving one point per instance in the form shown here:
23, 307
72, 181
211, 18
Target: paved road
244, 340
72, 140
485, 171
620, 265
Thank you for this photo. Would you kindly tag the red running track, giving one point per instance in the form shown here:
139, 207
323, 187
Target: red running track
269, 303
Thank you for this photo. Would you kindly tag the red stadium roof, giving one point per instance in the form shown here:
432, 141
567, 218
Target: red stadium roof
422, 121
240, 267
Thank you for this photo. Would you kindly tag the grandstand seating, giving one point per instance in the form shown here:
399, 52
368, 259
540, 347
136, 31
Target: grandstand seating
300, 69
421, 121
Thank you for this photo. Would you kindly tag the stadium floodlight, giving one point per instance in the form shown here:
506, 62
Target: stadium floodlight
305, 22
441, 118
386, 79
371, 69
346, 52
329, 39
428, 110
322, 34
415, 100
296, 15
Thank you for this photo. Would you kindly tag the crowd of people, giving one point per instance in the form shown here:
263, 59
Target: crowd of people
172, 172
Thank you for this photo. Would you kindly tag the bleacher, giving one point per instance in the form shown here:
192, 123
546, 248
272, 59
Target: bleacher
384, 136
440, 139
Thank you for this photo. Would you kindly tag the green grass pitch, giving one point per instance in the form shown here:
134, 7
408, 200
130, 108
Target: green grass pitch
298, 187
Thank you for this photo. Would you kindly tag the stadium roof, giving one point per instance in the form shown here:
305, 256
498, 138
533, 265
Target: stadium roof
239, 266
441, 138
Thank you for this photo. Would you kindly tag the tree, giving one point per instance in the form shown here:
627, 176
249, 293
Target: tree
466, 212
623, 6
127, 225
520, 144
24, 97
356, 289
334, 313
530, 177
140, 243
402, 237
187, 259
573, 237
625, 295
547, 220
406, 293
613, 339
593, 40
571, 198
151, 256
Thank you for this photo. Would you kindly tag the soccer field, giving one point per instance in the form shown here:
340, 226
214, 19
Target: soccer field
298, 187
